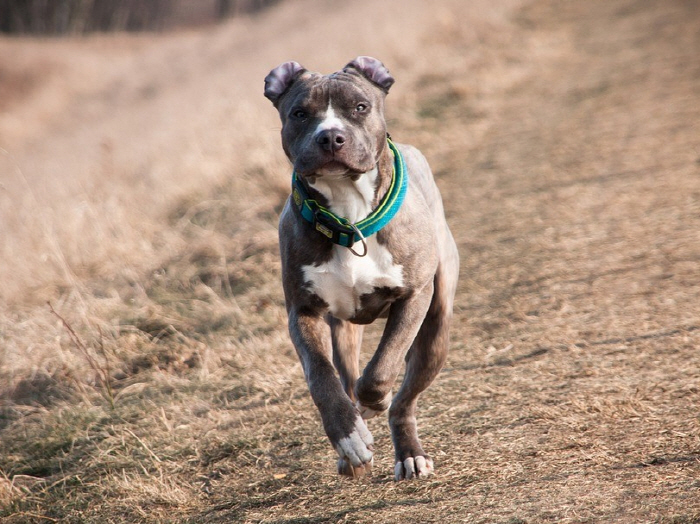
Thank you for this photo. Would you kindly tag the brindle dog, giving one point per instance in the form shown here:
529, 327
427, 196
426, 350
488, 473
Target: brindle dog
335, 135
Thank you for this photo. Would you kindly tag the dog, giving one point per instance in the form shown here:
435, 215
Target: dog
362, 236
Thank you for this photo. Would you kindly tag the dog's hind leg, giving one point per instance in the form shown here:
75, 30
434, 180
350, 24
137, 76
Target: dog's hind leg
347, 342
423, 362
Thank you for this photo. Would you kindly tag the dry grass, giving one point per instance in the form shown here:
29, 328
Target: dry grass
141, 181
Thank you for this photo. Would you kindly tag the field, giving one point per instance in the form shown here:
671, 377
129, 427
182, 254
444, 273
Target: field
146, 374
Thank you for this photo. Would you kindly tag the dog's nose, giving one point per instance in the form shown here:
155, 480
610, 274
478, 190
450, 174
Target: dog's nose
330, 139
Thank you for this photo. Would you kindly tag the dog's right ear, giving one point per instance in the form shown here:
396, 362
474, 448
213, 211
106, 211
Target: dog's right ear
373, 70
280, 78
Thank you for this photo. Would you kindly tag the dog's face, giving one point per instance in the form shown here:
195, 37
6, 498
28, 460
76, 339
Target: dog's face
333, 125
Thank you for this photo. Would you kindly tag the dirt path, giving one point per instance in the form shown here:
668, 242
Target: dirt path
570, 164
564, 136
580, 225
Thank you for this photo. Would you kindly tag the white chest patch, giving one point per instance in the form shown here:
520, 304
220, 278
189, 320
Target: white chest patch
343, 280
349, 199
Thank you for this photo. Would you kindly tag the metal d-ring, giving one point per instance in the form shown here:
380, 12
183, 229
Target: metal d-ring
362, 239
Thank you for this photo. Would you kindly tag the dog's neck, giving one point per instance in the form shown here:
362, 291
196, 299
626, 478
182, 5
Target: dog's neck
355, 197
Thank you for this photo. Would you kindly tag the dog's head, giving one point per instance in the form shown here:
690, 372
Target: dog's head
332, 125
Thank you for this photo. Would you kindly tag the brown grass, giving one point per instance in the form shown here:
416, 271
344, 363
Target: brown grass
141, 182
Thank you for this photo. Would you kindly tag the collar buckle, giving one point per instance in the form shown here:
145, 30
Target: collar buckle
335, 231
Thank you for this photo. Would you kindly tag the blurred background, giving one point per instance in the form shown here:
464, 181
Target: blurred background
61, 17
146, 373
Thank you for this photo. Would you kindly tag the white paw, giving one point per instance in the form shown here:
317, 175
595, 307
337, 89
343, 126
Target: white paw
356, 448
368, 413
413, 467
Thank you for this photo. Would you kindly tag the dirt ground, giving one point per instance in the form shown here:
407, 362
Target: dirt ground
140, 182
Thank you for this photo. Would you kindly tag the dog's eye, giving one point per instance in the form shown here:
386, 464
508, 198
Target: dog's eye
299, 114
361, 108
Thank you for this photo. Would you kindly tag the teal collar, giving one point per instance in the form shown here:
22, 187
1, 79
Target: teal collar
338, 229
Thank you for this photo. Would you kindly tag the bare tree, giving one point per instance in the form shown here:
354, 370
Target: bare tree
225, 8
56, 17
81, 16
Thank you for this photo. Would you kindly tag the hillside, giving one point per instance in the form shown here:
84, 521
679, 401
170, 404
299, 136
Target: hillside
145, 370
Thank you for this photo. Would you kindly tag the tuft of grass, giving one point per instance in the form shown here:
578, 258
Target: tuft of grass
101, 370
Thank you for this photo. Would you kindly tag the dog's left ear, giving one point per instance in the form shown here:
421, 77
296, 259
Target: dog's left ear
373, 70
280, 78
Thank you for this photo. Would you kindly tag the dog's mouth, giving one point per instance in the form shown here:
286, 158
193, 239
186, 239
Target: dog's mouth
333, 168
330, 169
346, 163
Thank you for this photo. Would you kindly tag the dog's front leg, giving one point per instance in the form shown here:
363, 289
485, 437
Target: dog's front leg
373, 389
341, 420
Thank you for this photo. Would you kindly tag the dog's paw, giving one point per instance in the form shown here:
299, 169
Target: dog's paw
348, 470
356, 451
375, 409
419, 466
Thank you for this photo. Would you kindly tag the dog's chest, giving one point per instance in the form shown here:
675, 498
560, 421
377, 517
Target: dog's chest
346, 278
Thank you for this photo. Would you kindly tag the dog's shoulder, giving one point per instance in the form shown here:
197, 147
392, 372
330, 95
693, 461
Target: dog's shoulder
420, 177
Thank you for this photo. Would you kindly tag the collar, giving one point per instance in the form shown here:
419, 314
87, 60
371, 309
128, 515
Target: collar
338, 229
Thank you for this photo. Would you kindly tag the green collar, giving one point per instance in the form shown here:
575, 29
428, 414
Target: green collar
338, 229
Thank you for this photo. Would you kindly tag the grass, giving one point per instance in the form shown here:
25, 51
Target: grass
140, 198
